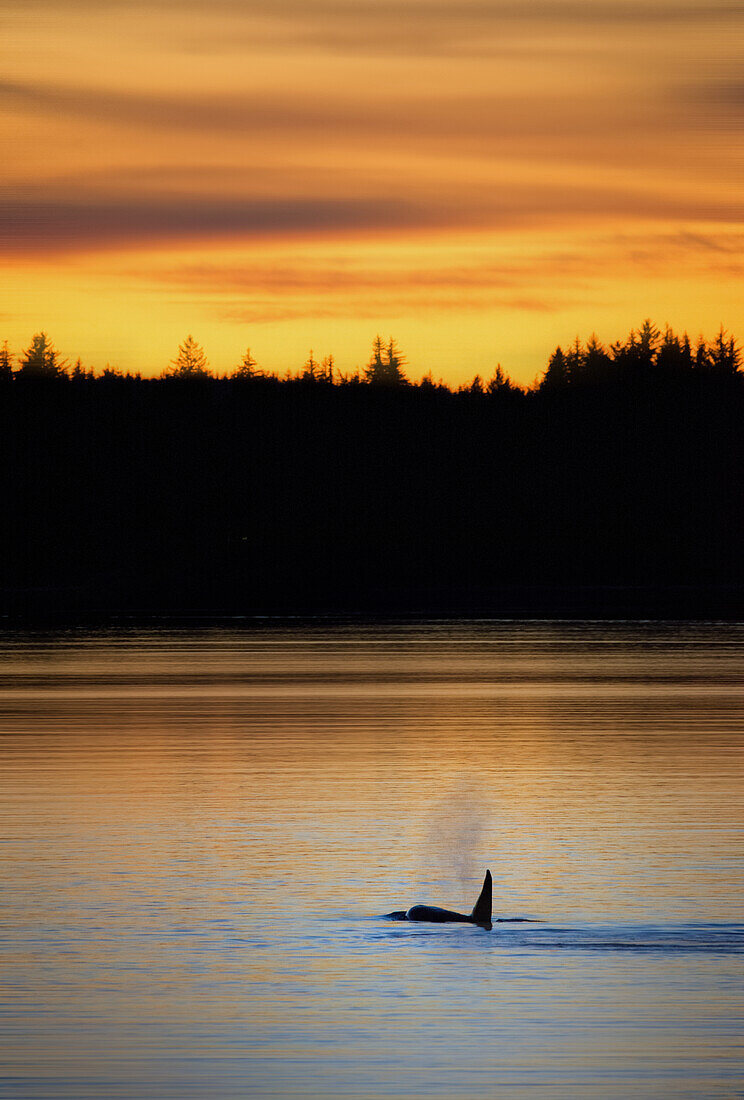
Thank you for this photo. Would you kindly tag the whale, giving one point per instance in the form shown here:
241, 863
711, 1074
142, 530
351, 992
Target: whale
481, 914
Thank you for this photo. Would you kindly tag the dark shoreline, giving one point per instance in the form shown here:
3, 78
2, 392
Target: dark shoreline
612, 497
88, 607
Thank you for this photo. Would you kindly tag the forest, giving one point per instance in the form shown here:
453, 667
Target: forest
612, 487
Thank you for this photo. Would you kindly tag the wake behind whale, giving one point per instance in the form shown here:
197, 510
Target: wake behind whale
481, 914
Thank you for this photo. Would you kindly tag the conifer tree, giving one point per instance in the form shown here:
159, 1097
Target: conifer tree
701, 354
42, 360
686, 352
556, 376
574, 360
669, 352
191, 362
327, 369
386, 365
648, 339
375, 369
394, 363
247, 367
499, 382
724, 355
595, 360
310, 369
6, 363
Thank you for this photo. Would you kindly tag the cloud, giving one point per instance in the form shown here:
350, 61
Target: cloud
58, 218
566, 126
315, 284
447, 116
300, 279
371, 309
64, 225
718, 101
445, 28
415, 28
425, 12
728, 244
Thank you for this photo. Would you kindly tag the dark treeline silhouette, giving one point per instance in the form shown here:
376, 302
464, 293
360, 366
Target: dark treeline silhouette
613, 486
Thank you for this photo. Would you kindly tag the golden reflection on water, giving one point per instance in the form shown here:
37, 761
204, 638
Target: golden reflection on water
201, 830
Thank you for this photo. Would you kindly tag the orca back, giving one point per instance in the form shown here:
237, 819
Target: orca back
435, 915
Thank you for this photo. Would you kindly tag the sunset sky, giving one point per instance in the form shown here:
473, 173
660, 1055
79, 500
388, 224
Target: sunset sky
482, 179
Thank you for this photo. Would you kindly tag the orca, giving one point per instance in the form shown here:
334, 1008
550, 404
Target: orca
481, 914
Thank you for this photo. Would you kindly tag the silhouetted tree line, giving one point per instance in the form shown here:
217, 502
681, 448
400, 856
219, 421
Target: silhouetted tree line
620, 471
42, 360
646, 351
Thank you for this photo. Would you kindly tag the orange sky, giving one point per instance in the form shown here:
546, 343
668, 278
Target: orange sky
481, 179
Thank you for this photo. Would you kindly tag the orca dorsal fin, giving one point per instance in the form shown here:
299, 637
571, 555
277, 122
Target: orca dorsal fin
482, 909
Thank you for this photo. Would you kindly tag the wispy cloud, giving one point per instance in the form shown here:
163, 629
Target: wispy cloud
48, 225
488, 128
49, 221
430, 13
448, 115
305, 285
441, 28
371, 309
414, 29
302, 275
717, 101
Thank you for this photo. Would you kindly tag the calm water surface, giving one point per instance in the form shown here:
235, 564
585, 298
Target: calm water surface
201, 832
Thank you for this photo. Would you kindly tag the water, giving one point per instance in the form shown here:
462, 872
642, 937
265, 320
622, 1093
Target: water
201, 832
